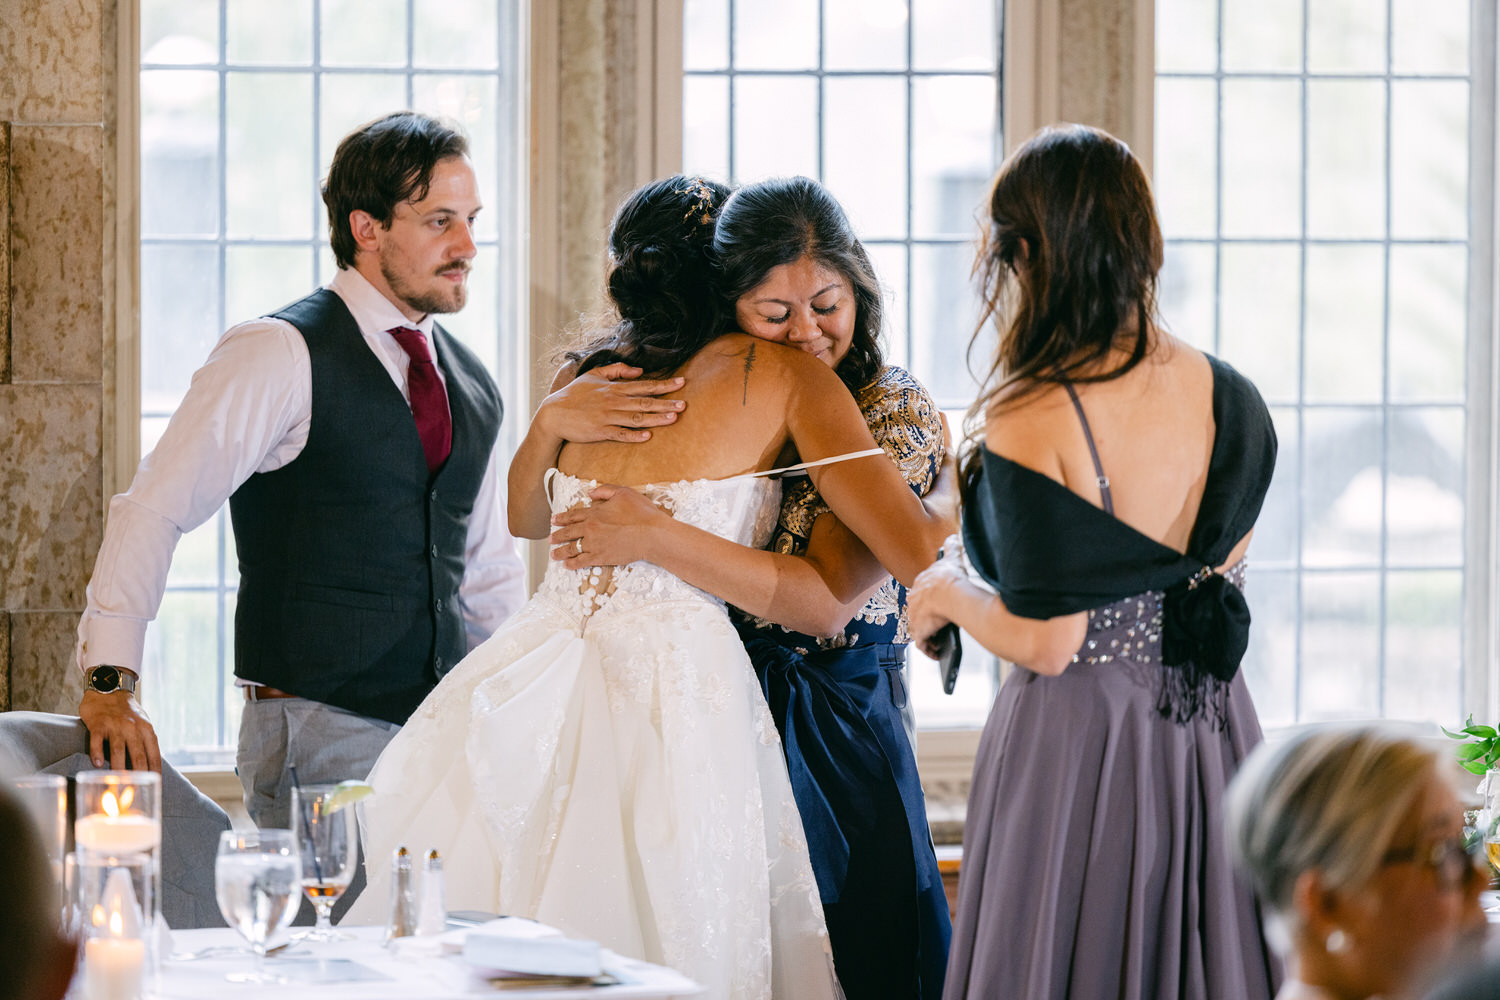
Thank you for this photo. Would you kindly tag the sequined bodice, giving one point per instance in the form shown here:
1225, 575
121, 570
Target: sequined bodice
742, 509
1130, 628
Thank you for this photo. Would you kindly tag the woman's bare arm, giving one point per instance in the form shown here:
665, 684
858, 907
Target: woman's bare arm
610, 403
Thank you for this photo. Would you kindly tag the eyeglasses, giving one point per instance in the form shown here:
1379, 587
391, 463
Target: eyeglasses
1455, 864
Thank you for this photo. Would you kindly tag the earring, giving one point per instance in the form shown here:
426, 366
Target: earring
1336, 942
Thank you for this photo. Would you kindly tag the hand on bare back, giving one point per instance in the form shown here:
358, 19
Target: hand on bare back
614, 530
116, 719
610, 403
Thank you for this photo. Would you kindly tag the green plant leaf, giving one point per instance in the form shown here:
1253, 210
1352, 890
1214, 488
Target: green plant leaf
1483, 732
1469, 751
1453, 736
1474, 767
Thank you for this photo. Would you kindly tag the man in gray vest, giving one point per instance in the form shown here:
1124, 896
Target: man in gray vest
356, 443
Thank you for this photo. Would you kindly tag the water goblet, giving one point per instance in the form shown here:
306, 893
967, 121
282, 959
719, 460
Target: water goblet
255, 880
324, 828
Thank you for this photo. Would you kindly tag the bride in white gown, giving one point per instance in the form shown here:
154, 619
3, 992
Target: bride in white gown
606, 763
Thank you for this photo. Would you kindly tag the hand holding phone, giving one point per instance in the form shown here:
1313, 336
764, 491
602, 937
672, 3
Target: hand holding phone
950, 652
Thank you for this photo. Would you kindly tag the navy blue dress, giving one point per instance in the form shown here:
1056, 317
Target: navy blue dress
838, 703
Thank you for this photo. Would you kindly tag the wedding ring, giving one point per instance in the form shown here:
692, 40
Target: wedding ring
578, 546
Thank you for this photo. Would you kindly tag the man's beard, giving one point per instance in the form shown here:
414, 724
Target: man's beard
437, 301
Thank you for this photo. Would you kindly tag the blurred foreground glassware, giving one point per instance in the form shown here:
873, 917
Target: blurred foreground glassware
256, 877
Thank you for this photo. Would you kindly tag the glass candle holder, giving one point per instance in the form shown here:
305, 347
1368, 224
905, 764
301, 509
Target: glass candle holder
45, 797
119, 813
115, 898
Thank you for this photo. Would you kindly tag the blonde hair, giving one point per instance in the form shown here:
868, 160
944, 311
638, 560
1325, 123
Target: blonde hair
1328, 800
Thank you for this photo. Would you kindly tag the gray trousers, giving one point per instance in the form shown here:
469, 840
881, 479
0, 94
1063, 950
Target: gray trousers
327, 744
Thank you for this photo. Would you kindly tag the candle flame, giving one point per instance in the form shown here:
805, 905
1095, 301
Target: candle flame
126, 798
116, 924
110, 804
97, 916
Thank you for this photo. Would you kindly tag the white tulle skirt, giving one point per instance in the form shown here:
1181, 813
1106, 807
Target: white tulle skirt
619, 777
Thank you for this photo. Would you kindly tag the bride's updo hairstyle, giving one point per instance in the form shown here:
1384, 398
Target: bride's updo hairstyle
661, 277
1067, 267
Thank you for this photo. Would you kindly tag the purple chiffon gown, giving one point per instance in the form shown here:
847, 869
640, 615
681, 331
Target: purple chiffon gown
1094, 863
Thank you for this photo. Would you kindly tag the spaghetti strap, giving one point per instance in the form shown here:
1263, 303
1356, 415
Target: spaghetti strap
802, 466
1088, 435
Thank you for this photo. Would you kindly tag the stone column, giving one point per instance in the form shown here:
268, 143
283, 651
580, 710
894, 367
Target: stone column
56, 320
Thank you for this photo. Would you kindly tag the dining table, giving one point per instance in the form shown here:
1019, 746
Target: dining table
195, 964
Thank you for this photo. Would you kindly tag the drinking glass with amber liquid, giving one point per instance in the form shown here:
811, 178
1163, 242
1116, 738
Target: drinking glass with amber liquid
324, 828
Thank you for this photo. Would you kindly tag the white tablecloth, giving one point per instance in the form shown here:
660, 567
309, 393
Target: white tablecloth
394, 977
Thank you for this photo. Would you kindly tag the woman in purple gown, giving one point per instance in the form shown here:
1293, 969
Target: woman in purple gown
1109, 495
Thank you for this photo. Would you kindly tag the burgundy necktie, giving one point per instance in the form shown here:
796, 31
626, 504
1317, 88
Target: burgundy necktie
429, 400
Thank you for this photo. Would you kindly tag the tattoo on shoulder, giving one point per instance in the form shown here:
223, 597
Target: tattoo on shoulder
749, 363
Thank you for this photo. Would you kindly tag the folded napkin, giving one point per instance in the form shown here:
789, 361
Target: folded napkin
514, 945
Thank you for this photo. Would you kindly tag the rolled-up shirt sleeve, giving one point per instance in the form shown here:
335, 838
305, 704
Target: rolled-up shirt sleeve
494, 582
247, 410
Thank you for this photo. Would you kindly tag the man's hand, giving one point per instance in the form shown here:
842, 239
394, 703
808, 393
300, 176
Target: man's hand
116, 718
610, 403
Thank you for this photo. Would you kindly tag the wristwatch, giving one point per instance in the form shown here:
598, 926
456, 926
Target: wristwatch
106, 678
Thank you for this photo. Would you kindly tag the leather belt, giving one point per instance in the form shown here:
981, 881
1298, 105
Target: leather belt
260, 692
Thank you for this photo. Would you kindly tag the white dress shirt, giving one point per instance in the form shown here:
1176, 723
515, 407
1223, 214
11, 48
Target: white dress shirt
248, 410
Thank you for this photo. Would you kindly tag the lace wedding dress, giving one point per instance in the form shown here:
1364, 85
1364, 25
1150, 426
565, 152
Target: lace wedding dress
606, 764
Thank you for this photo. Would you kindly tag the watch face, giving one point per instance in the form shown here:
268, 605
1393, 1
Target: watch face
104, 679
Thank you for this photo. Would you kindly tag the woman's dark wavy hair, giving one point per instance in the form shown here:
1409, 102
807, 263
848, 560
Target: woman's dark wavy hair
381, 164
1068, 260
661, 279
782, 220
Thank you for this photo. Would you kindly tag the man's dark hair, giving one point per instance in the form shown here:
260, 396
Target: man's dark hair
381, 164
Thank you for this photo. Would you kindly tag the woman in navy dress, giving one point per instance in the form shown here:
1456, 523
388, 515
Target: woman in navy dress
824, 623
1108, 504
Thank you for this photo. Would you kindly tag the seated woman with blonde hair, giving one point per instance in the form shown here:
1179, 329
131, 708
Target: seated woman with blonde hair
1353, 838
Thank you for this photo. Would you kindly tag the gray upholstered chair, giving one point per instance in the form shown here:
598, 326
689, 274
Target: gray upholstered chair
190, 821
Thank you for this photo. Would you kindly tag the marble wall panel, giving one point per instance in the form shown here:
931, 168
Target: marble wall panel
42, 676
4, 661
4, 252
52, 482
52, 54
57, 252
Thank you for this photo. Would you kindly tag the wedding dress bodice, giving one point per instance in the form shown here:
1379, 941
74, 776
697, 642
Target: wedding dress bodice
742, 509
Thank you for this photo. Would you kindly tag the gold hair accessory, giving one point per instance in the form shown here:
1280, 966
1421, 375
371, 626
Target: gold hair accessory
703, 201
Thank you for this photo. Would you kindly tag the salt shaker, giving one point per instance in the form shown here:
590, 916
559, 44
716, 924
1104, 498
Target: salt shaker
403, 916
432, 912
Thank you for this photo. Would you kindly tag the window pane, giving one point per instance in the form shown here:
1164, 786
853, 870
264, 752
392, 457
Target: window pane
179, 153
1270, 663
864, 151
944, 312
864, 34
186, 693
455, 34
705, 126
953, 153
1346, 158
1260, 314
705, 35
1342, 477
179, 319
1340, 646
1424, 497
1185, 166
1429, 315
271, 182
1187, 293
1430, 160
969, 705
1345, 36
890, 263
954, 34
1275, 541
775, 127
348, 101
182, 32
1262, 36
269, 31
475, 324
776, 34
1187, 37
259, 280
1345, 324
1423, 648
1431, 36
1262, 158
363, 33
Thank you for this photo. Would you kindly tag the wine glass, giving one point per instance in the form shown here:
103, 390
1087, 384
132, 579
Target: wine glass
324, 828
255, 881
1489, 828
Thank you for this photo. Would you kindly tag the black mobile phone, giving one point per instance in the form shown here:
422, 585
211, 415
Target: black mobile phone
950, 652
